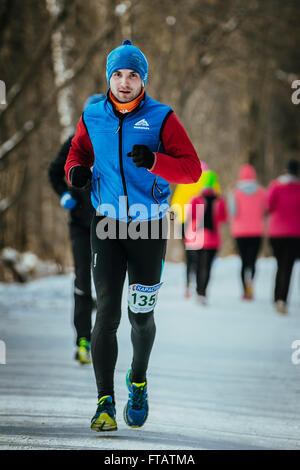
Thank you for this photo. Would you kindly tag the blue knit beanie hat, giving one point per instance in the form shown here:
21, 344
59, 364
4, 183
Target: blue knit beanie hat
127, 56
94, 99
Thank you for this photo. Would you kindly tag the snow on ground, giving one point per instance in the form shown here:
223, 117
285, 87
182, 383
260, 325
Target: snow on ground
220, 376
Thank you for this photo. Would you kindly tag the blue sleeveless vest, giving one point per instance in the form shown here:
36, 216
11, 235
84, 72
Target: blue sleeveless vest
120, 189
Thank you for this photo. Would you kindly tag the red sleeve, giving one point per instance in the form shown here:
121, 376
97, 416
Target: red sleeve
81, 151
180, 164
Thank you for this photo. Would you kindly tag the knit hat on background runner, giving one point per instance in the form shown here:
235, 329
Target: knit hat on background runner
209, 180
247, 173
129, 57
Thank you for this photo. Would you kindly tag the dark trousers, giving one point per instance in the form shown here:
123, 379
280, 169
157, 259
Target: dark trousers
83, 302
248, 248
205, 258
190, 259
142, 259
286, 250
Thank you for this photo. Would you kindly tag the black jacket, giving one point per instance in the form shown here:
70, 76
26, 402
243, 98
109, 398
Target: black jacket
83, 211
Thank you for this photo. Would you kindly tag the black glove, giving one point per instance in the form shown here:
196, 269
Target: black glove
142, 156
80, 176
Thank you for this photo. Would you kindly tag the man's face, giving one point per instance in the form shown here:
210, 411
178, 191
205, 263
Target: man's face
125, 85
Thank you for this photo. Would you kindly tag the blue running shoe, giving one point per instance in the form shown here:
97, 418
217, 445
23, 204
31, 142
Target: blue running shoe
105, 417
136, 409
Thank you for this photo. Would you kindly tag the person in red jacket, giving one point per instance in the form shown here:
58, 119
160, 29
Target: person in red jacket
136, 146
283, 200
247, 206
207, 212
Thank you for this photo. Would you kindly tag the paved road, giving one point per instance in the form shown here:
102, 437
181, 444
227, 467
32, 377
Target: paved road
220, 378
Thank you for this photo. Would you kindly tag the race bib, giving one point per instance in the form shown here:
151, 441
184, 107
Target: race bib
142, 299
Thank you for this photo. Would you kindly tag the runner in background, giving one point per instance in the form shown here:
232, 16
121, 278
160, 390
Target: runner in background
284, 229
78, 204
206, 215
247, 207
182, 196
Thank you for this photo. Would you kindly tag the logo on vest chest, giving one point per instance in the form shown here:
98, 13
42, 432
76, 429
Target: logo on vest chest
142, 124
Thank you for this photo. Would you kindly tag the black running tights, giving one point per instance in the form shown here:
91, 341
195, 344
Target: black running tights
142, 259
248, 248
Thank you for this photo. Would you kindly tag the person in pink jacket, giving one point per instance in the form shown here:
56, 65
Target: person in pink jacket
247, 207
284, 229
206, 214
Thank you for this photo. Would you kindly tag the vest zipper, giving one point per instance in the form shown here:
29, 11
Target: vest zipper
121, 167
158, 189
153, 193
98, 186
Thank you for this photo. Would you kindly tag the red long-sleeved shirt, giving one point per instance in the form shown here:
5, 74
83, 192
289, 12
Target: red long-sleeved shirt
180, 164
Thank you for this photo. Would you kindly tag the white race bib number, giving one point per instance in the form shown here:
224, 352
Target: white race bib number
142, 299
